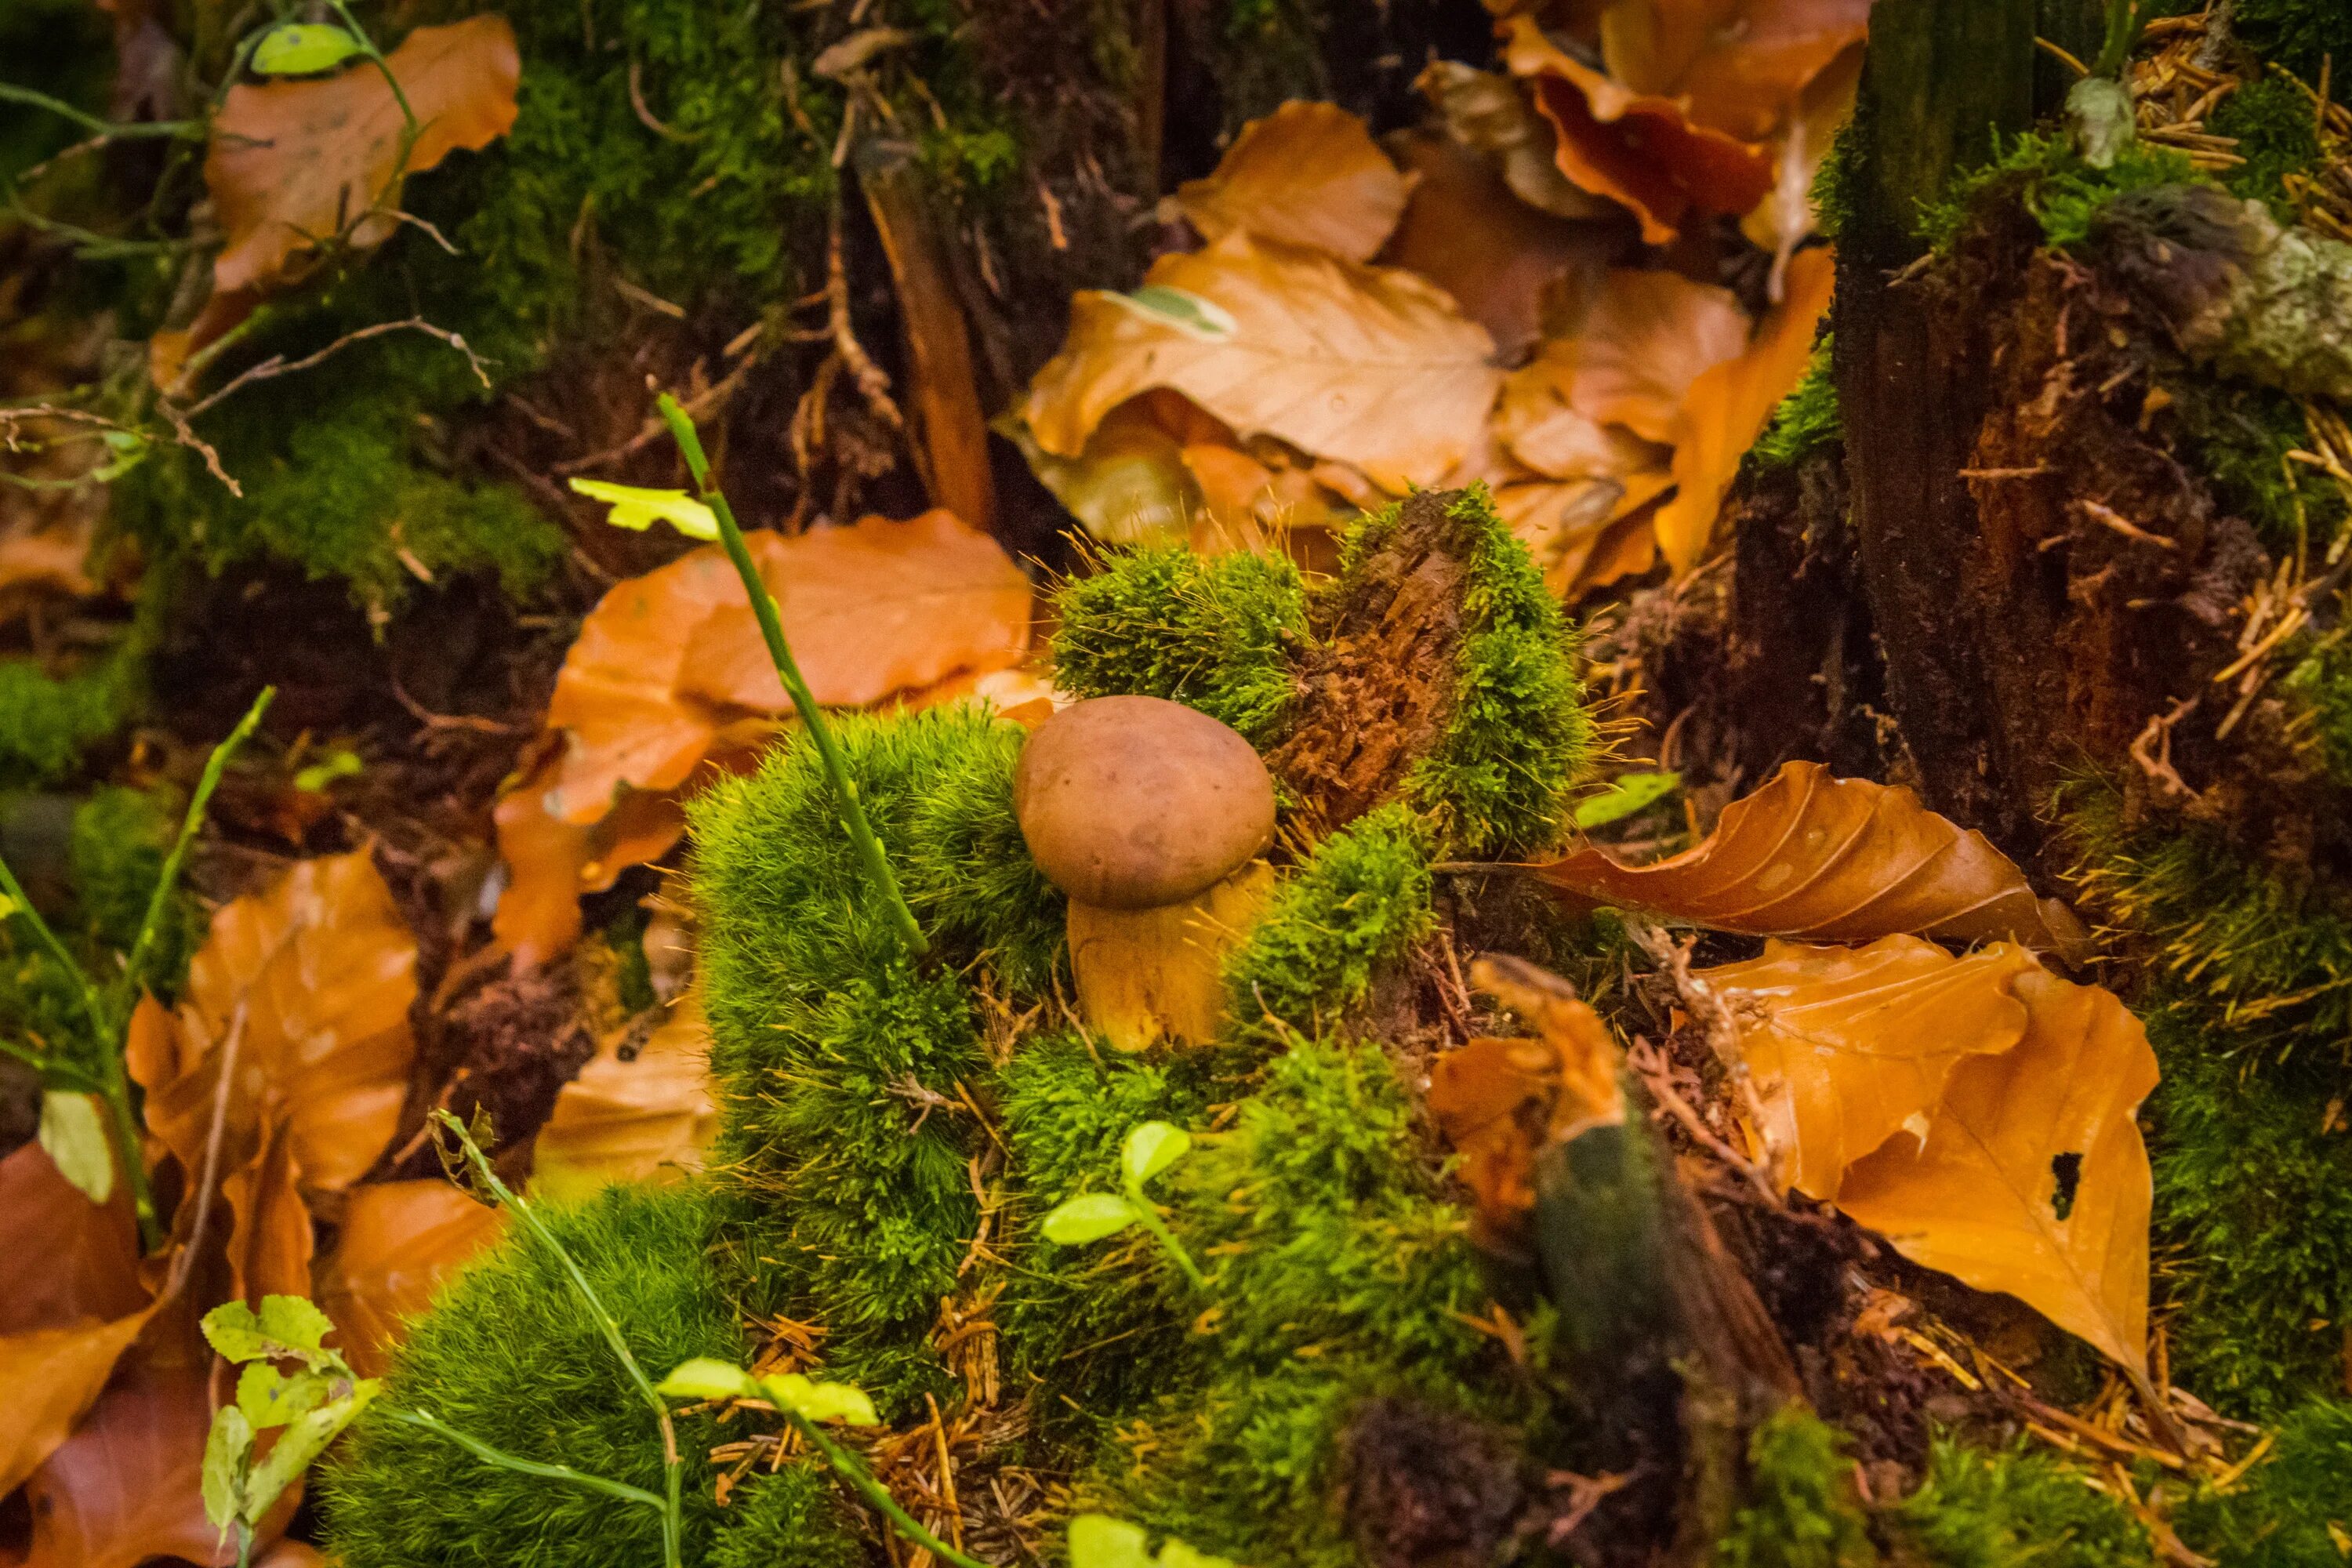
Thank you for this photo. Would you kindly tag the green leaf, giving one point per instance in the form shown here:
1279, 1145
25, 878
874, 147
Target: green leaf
298, 48
1174, 1553
270, 1398
1187, 312
73, 1131
820, 1401
337, 765
300, 1443
296, 1323
227, 1448
635, 507
1089, 1216
1098, 1540
1151, 1147
1626, 795
233, 1331
703, 1378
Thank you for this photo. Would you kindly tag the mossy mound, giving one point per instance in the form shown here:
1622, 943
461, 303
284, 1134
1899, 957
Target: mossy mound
2004, 1508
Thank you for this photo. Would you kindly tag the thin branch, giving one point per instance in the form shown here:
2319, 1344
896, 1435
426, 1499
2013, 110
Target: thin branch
134, 970
871, 379
429, 1422
186, 436
277, 364
223, 1087
183, 129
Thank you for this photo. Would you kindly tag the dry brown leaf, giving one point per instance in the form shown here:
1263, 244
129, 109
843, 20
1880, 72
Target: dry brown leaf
628, 1119
321, 967
1369, 366
51, 1378
398, 1243
1850, 1046
1626, 546
292, 163
270, 1240
551, 863
1309, 175
1498, 257
1782, 221
1741, 65
1640, 150
1129, 484
2033, 1178
1838, 859
1487, 112
1729, 405
1647, 336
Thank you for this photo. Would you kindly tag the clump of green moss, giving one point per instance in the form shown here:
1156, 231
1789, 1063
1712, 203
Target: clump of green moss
2063, 193
2320, 684
2010, 1507
1807, 420
2290, 1510
2300, 35
1216, 633
511, 1355
2277, 132
1518, 736
114, 855
1799, 1510
792, 1519
842, 1066
2242, 434
48, 721
1358, 903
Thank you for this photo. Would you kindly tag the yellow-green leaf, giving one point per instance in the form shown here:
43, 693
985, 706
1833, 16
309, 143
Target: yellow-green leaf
635, 507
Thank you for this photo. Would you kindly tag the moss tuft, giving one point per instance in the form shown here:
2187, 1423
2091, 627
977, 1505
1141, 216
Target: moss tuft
792, 1519
2242, 434
2300, 35
2010, 1506
2320, 685
2292, 1509
48, 721
1215, 633
2062, 191
1799, 1511
115, 853
1358, 903
2277, 134
512, 1356
1518, 736
1807, 420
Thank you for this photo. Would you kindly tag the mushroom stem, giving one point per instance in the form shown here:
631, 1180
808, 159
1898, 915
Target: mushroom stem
1159, 972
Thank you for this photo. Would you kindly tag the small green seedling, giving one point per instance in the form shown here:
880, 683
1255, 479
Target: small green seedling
1626, 793
1098, 1540
312, 1404
638, 509
342, 762
302, 49
1149, 1149
808, 1404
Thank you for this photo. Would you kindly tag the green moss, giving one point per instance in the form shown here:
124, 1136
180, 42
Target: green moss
1807, 420
2013, 1508
1799, 1510
1216, 633
2233, 1153
1358, 903
840, 1064
1835, 185
2241, 435
114, 855
792, 1519
48, 721
2280, 1516
2277, 132
1518, 736
2062, 191
2297, 34
512, 1356
61, 48
2320, 685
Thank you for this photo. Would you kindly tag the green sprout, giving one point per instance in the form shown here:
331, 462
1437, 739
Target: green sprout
710, 517
1098, 1540
1151, 1148
313, 1404
807, 1405
1626, 793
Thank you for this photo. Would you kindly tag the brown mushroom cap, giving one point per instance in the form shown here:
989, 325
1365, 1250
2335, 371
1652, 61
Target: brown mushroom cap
1129, 802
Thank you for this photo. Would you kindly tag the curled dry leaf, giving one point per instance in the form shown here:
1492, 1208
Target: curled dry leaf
321, 967
1780, 222
626, 1119
270, 1241
1487, 112
1129, 484
1368, 366
293, 163
1645, 338
1843, 859
1729, 403
551, 863
1851, 1046
399, 1242
1640, 150
1741, 65
1309, 175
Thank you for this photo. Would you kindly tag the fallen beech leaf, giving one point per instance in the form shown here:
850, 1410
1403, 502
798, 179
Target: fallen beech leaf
1128, 484
1626, 546
293, 163
1739, 64
1544, 429
1499, 257
51, 1378
270, 1241
399, 1242
2033, 1178
1246, 505
551, 863
1840, 860
625, 1121
1782, 221
1309, 175
1487, 112
1728, 405
1850, 1046
1637, 149
1646, 337
321, 967
1370, 366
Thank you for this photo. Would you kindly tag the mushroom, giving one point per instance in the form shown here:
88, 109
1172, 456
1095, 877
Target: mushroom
1150, 817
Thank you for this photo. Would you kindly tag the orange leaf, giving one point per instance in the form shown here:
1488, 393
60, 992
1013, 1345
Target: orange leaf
1850, 1046
1843, 860
624, 1120
320, 967
551, 862
51, 1378
1638, 149
270, 1241
1729, 405
400, 1241
1741, 65
1370, 367
292, 163
1309, 175
1646, 338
